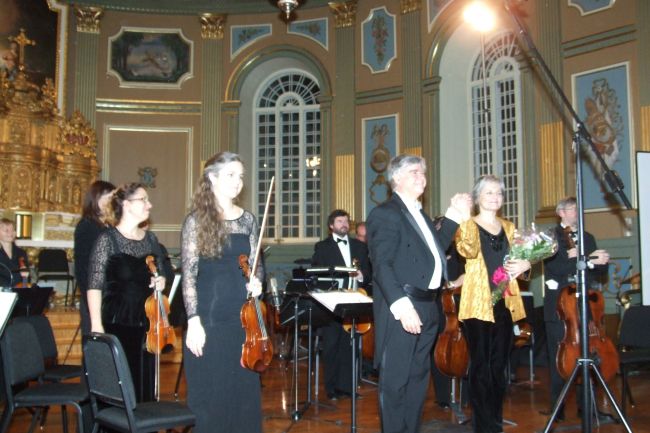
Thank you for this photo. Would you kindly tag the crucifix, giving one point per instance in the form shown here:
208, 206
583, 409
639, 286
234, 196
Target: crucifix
21, 40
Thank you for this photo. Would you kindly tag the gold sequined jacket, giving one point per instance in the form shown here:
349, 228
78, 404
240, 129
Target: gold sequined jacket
476, 300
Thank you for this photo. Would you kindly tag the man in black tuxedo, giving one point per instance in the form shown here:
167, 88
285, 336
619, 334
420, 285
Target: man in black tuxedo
409, 267
559, 272
339, 249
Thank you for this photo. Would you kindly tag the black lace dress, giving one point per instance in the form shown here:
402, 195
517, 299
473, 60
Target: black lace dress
224, 396
118, 268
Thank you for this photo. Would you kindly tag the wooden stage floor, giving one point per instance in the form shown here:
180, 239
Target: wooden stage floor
522, 406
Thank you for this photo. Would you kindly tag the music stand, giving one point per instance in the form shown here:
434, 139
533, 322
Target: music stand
31, 300
351, 306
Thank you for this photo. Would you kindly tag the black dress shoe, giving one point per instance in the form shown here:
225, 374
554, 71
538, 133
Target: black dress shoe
443, 405
332, 396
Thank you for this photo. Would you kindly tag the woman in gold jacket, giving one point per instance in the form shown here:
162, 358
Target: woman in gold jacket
487, 315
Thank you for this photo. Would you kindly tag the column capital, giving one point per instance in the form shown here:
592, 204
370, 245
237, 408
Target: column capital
408, 6
212, 25
88, 18
344, 12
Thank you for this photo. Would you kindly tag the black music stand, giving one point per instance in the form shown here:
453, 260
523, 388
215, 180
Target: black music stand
303, 306
352, 312
31, 300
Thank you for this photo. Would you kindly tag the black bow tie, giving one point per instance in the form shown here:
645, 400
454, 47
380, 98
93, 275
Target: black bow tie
341, 240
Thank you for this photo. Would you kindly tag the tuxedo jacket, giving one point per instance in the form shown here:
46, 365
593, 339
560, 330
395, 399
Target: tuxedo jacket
560, 267
400, 255
328, 253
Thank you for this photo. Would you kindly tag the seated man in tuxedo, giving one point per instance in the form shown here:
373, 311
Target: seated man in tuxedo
339, 249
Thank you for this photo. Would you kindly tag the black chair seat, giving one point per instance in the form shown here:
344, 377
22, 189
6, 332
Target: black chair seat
62, 372
638, 356
151, 416
51, 394
634, 346
22, 367
112, 394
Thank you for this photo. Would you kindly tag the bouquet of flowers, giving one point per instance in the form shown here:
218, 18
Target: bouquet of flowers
532, 245
527, 244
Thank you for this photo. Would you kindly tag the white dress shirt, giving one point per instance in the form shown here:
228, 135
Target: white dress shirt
414, 207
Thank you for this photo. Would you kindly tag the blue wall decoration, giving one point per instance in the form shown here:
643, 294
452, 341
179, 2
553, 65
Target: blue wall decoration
244, 36
378, 44
434, 7
316, 30
380, 144
602, 99
587, 7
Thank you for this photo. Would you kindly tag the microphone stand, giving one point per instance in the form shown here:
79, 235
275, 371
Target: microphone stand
581, 136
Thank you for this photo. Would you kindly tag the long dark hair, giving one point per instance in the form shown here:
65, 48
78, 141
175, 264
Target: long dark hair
90, 208
209, 214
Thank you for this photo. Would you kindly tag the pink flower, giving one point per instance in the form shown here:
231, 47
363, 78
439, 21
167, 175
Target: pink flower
500, 276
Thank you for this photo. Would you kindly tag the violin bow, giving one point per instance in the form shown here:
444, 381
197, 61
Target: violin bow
259, 240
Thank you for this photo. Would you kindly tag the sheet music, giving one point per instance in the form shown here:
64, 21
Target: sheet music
7, 302
331, 299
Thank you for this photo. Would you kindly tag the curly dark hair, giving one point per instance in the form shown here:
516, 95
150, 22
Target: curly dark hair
208, 213
120, 195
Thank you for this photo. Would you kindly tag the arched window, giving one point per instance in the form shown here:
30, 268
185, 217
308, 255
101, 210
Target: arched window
288, 137
496, 119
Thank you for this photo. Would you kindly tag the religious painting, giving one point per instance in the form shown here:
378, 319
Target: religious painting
434, 7
242, 37
151, 58
380, 144
601, 97
587, 7
42, 43
378, 40
316, 30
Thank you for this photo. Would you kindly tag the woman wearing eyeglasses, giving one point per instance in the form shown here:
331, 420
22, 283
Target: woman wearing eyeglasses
119, 282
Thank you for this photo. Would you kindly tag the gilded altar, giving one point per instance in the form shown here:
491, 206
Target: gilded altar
46, 161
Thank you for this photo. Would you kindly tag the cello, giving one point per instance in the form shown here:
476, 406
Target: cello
601, 348
160, 336
451, 354
257, 349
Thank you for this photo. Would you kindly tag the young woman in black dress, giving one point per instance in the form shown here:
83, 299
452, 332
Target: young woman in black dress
224, 396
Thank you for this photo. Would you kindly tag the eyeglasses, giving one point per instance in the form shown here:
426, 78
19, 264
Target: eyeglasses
142, 199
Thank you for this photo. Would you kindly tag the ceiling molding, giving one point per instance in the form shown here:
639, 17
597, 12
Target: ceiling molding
193, 7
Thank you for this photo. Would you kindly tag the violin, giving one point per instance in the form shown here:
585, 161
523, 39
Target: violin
451, 354
161, 336
257, 350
